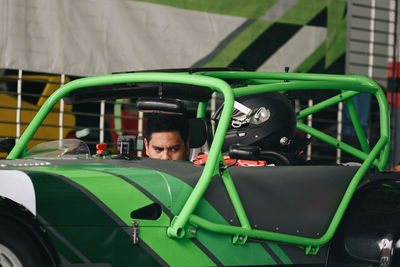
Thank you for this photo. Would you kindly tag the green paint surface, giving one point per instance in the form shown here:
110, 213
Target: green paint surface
122, 198
178, 191
303, 12
83, 224
279, 252
337, 27
64, 250
236, 47
247, 9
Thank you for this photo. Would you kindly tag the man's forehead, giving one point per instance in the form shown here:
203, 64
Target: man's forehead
170, 138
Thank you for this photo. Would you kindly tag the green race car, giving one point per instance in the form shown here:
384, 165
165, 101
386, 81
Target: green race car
60, 206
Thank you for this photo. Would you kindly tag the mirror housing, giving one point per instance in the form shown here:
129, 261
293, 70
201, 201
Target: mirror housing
130, 143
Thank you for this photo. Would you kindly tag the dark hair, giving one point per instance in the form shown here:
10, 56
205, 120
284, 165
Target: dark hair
166, 123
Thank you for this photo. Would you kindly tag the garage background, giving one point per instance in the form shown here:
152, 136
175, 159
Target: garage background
46, 43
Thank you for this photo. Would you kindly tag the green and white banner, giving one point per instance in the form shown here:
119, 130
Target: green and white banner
95, 37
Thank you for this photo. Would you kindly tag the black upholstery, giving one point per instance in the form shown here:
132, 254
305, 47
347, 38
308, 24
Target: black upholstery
199, 132
299, 200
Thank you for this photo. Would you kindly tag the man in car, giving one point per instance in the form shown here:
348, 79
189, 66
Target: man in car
166, 137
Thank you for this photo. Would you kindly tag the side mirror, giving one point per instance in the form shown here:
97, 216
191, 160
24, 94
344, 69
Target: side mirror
7, 144
244, 152
130, 143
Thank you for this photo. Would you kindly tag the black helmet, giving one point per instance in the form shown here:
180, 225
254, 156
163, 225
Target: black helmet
268, 122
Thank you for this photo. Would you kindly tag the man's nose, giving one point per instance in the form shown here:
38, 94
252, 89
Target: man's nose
165, 155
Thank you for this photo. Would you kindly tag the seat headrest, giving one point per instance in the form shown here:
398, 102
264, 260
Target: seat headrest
199, 132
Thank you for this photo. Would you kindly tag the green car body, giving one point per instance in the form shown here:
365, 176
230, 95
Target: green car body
115, 212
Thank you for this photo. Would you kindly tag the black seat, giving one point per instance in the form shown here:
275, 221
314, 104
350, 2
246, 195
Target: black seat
200, 136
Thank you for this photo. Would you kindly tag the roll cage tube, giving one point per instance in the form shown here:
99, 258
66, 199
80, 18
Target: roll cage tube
262, 82
350, 85
353, 85
346, 95
214, 84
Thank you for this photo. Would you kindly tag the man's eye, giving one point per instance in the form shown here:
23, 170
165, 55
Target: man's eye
174, 149
158, 149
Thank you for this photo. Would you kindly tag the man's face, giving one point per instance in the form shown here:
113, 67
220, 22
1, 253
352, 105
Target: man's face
167, 145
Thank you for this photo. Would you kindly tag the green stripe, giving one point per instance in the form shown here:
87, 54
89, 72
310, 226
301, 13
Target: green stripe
224, 43
220, 245
266, 45
303, 12
118, 116
122, 199
83, 224
238, 8
236, 47
336, 36
279, 252
312, 59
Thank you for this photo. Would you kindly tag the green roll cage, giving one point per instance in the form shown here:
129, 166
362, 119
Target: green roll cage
257, 82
